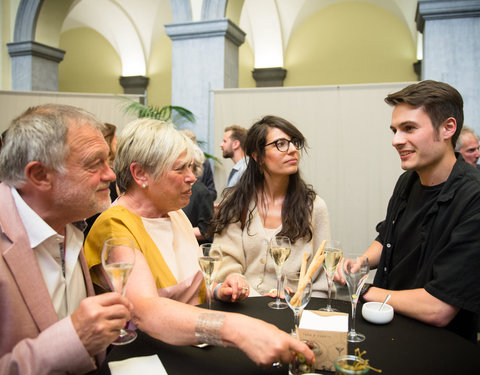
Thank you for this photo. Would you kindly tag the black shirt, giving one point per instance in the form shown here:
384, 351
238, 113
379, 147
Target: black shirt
447, 245
407, 238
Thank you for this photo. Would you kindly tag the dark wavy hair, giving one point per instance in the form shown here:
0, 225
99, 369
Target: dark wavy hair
298, 204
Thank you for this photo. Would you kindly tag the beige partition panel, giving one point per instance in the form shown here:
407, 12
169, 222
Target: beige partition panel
350, 160
108, 108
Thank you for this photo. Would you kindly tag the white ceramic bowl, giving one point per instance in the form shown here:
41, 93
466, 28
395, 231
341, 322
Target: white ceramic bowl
371, 312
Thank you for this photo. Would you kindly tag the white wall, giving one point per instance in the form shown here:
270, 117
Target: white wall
350, 162
108, 108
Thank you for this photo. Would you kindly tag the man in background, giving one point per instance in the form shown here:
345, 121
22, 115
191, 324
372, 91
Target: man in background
54, 172
468, 145
232, 146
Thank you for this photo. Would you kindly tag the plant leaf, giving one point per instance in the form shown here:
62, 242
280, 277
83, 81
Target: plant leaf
169, 113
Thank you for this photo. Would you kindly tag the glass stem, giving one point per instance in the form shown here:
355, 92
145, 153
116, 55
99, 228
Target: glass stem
296, 319
279, 286
354, 310
208, 285
329, 284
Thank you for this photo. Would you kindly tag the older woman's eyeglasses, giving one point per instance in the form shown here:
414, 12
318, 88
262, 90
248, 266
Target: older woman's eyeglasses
283, 144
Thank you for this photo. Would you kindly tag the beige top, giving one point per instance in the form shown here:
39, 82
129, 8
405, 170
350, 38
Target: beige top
168, 245
246, 253
180, 254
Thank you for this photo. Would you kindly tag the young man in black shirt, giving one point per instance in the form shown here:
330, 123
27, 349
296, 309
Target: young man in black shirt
427, 252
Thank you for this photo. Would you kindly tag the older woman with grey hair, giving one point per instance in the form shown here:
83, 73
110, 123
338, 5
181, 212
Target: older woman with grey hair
154, 165
154, 168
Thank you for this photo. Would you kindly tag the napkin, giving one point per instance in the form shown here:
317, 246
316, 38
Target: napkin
310, 320
150, 365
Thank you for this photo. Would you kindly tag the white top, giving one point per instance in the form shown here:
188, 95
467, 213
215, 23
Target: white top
177, 252
66, 291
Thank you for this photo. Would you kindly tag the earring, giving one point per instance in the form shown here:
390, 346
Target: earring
144, 186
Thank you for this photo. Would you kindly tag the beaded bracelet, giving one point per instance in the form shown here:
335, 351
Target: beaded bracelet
208, 328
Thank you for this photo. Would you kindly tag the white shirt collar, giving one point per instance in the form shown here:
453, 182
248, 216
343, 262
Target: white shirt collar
66, 291
37, 229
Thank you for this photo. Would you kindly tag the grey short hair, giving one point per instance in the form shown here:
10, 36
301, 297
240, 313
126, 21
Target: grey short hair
40, 134
465, 130
155, 145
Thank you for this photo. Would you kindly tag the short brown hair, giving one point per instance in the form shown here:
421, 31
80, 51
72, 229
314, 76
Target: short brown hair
439, 100
238, 133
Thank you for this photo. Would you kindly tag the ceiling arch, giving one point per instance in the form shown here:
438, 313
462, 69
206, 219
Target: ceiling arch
131, 28
261, 21
269, 24
26, 21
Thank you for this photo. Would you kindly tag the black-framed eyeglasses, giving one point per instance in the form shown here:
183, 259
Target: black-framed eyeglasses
283, 144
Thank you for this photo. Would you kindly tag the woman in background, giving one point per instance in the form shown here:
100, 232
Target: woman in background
270, 199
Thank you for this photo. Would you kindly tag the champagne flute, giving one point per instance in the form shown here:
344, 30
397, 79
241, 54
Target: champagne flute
118, 259
333, 255
209, 263
296, 295
355, 272
279, 249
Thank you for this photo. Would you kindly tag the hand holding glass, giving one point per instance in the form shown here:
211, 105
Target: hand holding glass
118, 259
279, 249
296, 295
209, 262
355, 272
333, 255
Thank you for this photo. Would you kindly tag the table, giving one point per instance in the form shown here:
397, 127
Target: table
403, 346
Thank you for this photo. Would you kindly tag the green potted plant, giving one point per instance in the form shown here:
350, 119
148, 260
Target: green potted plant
177, 115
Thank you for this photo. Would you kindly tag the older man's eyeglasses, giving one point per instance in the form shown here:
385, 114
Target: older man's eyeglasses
283, 144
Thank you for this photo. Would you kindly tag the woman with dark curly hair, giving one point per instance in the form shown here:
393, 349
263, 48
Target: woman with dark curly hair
270, 199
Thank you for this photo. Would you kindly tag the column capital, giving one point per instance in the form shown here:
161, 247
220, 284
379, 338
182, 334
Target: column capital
441, 9
269, 77
31, 48
134, 84
206, 29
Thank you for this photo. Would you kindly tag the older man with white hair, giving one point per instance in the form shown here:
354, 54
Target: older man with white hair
468, 146
54, 172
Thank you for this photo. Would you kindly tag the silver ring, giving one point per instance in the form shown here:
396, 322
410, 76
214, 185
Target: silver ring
277, 364
245, 287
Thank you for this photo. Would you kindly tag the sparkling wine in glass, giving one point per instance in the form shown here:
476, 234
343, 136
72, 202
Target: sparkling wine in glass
279, 249
118, 259
333, 255
296, 295
209, 262
355, 272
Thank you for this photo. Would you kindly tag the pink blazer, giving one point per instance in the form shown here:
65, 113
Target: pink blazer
32, 339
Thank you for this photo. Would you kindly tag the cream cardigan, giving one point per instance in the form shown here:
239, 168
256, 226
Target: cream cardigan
246, 253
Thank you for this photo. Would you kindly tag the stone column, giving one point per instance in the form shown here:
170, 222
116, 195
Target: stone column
204, 58
34, 66
451, 49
